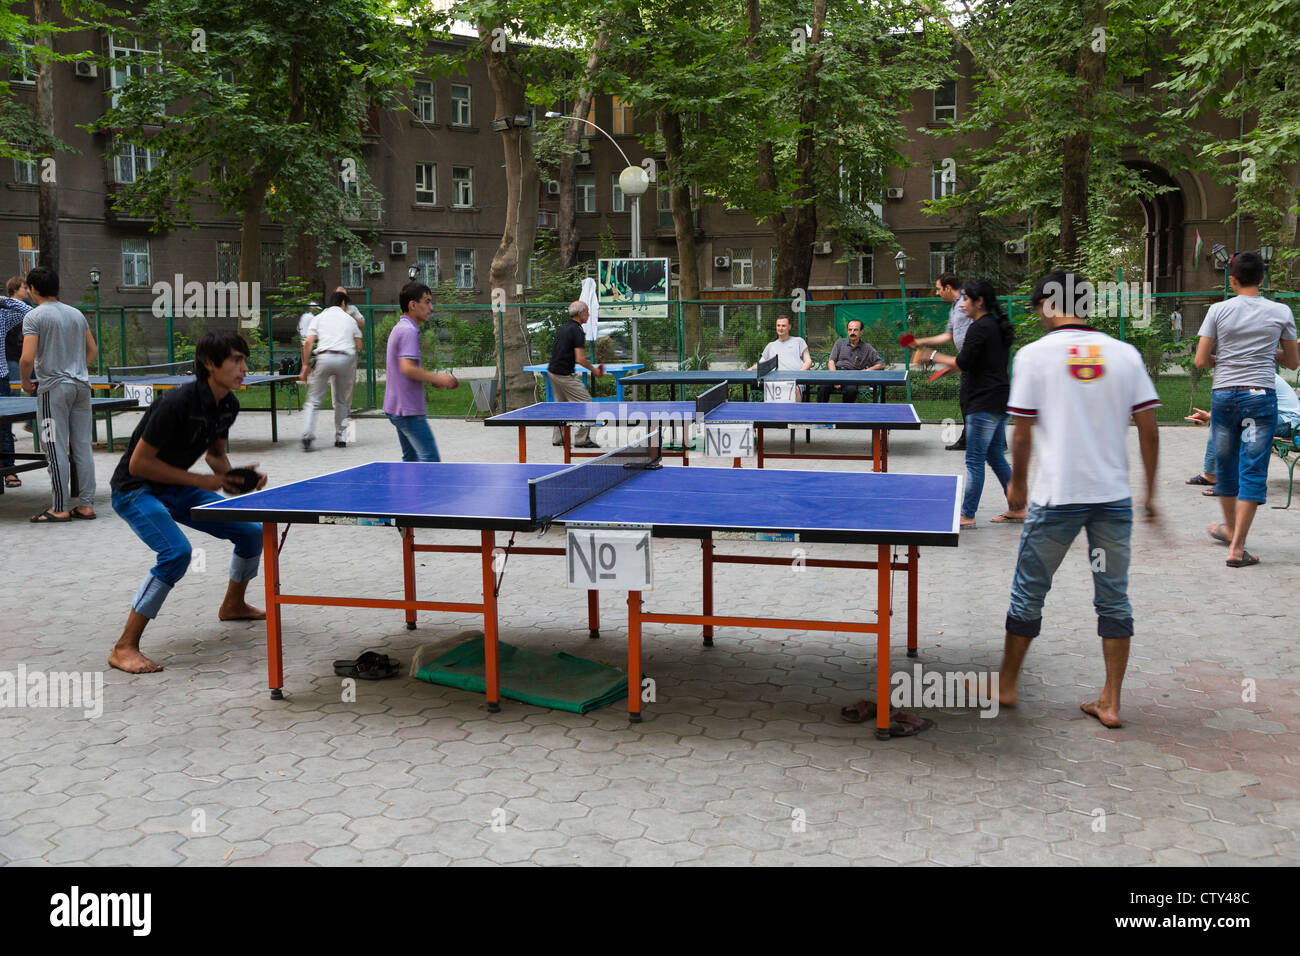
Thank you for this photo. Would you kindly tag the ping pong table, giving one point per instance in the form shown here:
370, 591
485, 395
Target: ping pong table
623, 489
15, 409
146, 383
753, 379
712, 408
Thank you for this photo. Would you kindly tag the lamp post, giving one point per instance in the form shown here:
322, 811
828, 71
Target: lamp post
900, 263
99, 337
412, 272
633, 181
1221, 260
1266, 253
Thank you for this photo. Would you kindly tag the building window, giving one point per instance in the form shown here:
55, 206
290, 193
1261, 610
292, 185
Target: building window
22, 63
584, 187
462, 186
273, 263
863, 269
1132, 86
942, 259
422, 101
464, 268
939, 188
353, 274
623, 121
227, 260
664, 204
426, 188
127, 59
591, 115
426, 260
133, 161
460, 104
619, 203
25, 171
945, 102
135, 262
28, 253
742, 267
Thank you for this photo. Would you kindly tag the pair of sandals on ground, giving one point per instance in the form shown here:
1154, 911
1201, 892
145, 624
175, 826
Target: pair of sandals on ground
1218, 530
49, 517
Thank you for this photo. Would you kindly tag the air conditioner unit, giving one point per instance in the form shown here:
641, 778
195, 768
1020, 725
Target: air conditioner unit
722, 262
377, 267
85, 69
1015, 247
553, 187
821, 248
397, 248
894, 192
584, 158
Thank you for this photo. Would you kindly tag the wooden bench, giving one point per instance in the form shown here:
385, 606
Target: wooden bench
1288, 449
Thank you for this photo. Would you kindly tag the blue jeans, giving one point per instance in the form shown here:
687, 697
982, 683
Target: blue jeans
416, 437
986, 436
6, 429
153, 516
1243, 421
1047, 536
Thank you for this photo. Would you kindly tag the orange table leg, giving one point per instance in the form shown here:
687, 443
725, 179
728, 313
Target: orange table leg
912, 555
877, 437
759, 444
491, 677
706, 545
523, 445
882, 642
593, 614
274, 648
634, 657
884, 449
568, 446
408, 573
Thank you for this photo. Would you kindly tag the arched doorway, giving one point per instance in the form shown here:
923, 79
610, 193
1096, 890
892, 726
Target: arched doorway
1164, 212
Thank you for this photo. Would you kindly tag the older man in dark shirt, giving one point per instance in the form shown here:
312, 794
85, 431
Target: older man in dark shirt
852, 354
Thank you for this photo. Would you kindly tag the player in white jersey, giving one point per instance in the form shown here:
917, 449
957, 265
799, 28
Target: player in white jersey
1074, 391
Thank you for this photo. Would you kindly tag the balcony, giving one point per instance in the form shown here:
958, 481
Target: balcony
362, 212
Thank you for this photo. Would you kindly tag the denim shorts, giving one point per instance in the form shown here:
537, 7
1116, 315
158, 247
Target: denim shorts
1242, 421
1048, 533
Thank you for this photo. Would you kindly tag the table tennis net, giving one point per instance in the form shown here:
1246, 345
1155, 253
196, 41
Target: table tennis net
551, 496
711, 399
150, 371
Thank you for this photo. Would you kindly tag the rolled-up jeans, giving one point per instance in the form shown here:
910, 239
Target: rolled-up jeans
1048, 533
153, 513
1243, 421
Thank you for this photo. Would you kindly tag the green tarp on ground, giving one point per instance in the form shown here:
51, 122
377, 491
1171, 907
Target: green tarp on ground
558, 681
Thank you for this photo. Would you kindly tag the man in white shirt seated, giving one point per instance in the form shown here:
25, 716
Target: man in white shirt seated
790, 351
336, 340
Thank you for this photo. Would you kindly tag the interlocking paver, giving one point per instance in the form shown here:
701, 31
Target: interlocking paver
743, 758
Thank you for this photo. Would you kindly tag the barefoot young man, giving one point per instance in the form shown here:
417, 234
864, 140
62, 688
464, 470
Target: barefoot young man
1075, 390
153, 489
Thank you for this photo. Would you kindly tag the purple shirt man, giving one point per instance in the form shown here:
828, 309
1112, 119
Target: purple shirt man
403, 395
405, 379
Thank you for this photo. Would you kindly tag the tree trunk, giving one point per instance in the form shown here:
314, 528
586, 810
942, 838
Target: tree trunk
1077, 149
688, 258
250, 229
510, 262
567, 172
48, 210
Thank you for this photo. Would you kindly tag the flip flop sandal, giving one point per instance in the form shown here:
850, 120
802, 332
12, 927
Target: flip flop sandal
1247, 559
1005, 518
1209, 493
45, 517
78, 515
900, 724
13, 481
369, 666
1198, 479
1222, 540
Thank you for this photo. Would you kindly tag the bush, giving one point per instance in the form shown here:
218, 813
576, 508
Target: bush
751, 344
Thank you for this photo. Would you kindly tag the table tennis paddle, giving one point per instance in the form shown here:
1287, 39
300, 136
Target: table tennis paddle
245, 479
944, 370
907, 340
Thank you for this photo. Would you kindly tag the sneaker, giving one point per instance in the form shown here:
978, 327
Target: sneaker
307, 443
956, 446
586, 444
340, 444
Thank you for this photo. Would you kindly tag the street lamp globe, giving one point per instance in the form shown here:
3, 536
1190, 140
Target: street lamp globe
900, 262
94, 277
634, 181
412, 272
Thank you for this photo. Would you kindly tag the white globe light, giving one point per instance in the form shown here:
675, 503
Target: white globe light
634, 181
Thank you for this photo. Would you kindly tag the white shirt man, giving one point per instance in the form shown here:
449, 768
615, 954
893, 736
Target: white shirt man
334, 337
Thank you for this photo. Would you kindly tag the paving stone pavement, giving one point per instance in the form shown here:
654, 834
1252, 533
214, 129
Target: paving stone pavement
743, 757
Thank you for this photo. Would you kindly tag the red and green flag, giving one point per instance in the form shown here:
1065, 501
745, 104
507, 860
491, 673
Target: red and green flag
1197, 257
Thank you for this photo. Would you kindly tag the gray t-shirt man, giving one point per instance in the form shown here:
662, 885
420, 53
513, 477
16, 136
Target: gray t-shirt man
845, 356
61, 348
958, 323
1247, 330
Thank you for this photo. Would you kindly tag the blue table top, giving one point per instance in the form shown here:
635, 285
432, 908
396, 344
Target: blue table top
851, 507
174, 380
20, 408
609, 367
776, 414
737, 376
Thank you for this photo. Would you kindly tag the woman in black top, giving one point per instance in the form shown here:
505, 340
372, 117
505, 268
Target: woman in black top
985, 385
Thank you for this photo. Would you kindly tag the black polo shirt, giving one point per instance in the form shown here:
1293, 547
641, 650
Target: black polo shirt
983, 360
566, 340
182, 423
